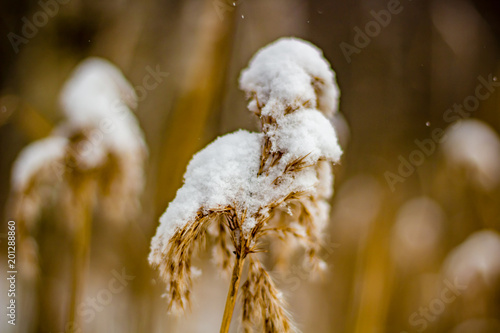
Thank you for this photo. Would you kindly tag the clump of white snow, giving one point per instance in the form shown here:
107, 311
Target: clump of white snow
290, 73
107, 86
218, 176
98, 96
305, 132
476, 146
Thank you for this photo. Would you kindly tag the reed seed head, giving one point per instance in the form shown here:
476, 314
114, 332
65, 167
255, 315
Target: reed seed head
273, 184
99, 149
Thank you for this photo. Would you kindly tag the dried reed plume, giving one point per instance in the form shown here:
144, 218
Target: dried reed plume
93, 160
247, 186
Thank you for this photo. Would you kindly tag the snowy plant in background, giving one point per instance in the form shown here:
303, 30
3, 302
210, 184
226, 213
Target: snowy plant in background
97, 101
474, 266
474, 146
474, 262
33, 187
100, 138
95, 159
245, 186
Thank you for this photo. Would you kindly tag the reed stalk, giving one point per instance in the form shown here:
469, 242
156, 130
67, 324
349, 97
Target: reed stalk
232, 293
81, 246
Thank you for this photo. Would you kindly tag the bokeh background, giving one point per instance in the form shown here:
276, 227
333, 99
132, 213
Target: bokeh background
421, 254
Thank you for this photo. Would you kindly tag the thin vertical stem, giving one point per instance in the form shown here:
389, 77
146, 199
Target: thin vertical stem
80, 256
232, 293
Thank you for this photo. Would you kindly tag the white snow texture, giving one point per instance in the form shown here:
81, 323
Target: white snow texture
98, 96
290, 72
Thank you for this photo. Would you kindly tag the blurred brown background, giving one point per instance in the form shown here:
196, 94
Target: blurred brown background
388, 258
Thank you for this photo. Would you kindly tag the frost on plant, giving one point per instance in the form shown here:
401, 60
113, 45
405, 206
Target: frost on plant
245, 186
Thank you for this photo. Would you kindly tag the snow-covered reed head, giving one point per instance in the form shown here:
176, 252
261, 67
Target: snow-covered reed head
474, 146
94, 90
248, 185
100, 142
98, 102
287, 75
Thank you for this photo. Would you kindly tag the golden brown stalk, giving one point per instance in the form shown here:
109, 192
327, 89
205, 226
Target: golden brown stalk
232, 294
81, 243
